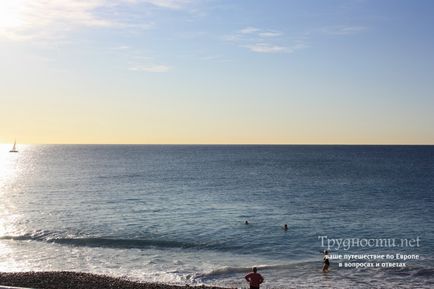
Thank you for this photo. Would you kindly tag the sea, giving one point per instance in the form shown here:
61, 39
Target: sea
177, 213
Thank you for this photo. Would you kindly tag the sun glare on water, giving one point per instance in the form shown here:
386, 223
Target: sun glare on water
7, 216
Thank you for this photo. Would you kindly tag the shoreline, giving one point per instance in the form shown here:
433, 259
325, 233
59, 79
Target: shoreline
80, 280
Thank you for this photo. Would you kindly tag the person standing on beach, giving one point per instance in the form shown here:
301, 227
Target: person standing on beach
255, 279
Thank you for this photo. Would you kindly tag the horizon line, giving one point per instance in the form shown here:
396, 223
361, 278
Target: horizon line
238, 144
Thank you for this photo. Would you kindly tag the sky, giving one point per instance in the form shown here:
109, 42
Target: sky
217, 71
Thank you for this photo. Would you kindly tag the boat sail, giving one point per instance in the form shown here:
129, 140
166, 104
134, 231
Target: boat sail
14, 148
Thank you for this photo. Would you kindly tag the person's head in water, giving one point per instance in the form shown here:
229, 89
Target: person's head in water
246, 222
255, 269
285, 227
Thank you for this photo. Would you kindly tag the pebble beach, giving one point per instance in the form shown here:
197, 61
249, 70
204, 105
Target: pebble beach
76, 280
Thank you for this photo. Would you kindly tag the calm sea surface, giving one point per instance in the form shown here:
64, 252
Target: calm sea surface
176, 213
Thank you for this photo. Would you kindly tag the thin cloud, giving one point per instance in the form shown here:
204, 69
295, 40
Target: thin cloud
215, 58
151, 68
46, 19
121, 47
171, 4
138, 60
248, 30
266, 48
343, 30
259, 32
263, 40
270, 34
272, 41
270, 48
299, 44
31, 19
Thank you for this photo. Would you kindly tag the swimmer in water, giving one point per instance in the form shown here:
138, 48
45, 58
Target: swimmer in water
285, 227
325, 267
246, 222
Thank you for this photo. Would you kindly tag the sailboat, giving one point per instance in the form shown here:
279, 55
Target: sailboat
14, 148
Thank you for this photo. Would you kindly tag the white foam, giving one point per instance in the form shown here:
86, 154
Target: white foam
9, 287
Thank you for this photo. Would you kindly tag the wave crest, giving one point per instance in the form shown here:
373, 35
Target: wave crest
110, 242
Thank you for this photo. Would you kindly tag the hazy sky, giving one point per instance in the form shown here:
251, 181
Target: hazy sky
217, 71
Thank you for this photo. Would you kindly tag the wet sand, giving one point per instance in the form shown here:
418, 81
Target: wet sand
76, 280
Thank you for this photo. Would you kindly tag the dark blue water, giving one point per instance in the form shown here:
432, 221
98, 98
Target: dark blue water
177, 213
